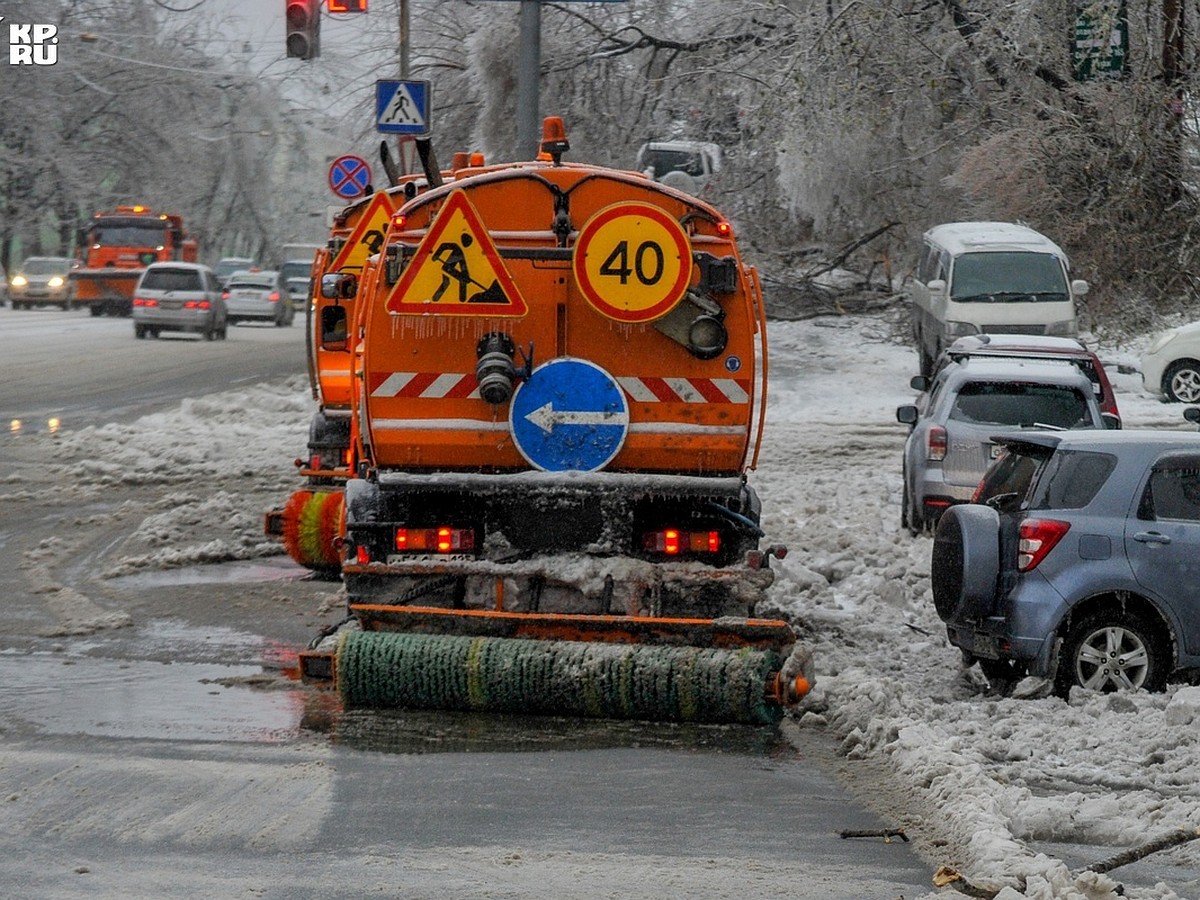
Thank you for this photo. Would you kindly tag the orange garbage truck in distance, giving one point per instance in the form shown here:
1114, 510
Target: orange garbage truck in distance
558, 381
116, 247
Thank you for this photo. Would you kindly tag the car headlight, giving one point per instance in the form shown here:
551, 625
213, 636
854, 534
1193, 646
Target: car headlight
960, 329
1162, 340
56, 281
19, 281
1065, 328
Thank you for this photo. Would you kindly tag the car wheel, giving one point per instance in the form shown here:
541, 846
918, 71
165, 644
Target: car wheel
139, 332
965, 564
1181, 382
1111, 651
210, 332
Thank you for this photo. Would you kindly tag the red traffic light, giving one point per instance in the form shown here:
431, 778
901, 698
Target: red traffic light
347, 6
303, 28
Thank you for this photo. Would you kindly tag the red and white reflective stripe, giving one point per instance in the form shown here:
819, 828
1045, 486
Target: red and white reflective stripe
453, 385
427, 385
686, 390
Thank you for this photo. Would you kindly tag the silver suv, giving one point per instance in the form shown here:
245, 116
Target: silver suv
1080, 564
178, 296
950, 443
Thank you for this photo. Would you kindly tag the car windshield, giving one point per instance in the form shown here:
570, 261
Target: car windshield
1021, 404
292, 270
665, 161
117, 233
255, 282
171, 280
227, 267
1010, 275
1007, 480
45, 266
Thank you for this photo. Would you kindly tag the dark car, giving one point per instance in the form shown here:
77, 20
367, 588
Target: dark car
1079, 560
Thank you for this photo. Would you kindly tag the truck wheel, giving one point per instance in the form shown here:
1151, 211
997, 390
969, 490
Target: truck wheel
1113, 650
96, 309
966, 562
1181, 383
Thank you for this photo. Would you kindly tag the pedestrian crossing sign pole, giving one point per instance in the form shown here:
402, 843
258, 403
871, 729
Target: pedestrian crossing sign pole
402, 107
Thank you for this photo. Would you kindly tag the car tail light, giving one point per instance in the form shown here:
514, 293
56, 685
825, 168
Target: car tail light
936, 443
1036, 538
672, 541
273, 296
196, 304
443, 539
142, 301
224, 295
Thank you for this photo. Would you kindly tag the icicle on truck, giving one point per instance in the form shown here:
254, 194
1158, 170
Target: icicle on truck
558, 379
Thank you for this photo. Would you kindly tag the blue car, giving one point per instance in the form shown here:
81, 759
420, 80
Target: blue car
1079, 561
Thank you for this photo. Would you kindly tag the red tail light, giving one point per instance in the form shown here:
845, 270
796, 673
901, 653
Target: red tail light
224, 295
672, 541
274, 296
435, 540
142, 301
936, 444
1037, 537
196, 304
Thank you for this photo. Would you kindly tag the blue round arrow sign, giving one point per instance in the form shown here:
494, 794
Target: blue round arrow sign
570, 415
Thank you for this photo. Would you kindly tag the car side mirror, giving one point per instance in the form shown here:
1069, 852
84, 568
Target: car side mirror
906, 415
919, 382
1079, 287
339, 286
937, 286
1111, 422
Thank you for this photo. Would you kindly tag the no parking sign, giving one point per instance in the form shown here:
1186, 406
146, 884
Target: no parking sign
349, 176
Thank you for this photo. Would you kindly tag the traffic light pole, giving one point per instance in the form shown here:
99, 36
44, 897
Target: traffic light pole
528, 70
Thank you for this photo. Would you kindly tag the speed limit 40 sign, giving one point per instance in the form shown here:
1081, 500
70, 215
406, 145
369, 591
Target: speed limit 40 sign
632, 262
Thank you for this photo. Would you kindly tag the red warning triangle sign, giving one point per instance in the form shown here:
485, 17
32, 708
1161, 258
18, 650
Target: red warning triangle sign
368, 234
457, 270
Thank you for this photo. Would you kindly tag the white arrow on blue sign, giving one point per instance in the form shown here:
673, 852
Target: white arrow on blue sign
570, 415
402, 107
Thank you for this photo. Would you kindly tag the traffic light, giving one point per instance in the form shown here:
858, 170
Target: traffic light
303, 29
347, 6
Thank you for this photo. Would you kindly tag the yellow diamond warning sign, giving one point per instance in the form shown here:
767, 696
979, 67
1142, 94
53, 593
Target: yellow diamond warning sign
456, 270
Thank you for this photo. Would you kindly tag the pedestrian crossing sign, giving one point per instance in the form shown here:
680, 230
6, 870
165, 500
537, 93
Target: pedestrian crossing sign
402, 107
456, 270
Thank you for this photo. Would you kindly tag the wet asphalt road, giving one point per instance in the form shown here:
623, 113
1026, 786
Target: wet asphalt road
171, 754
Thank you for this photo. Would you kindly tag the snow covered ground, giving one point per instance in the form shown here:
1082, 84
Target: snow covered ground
995, 777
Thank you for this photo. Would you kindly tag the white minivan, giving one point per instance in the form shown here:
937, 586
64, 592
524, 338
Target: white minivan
989, 277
